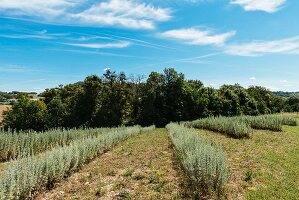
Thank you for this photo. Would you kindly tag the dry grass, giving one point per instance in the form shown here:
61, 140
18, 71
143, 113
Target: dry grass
140, 168
2, 109
264, 167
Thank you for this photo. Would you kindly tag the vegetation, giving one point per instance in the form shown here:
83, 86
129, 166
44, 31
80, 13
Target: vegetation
26, 115
114, 100
25, 176
241, 126
141, 167
268, 122
227, 125
24, 144
149, 128
204, 163
264, 167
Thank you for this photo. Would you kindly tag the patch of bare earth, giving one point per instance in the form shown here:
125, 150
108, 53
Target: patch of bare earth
140, 168
2, 109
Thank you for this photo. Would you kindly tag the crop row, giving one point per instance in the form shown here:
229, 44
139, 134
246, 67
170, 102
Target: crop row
20, 145
226, 125
267, 122
241, 126
204, 163
25, 176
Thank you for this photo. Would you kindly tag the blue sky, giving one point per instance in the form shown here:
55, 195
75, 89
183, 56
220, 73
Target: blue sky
251, 42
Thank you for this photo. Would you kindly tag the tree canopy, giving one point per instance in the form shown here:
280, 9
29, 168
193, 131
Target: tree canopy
115, 99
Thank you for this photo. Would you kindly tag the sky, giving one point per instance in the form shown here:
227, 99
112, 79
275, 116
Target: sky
251, 42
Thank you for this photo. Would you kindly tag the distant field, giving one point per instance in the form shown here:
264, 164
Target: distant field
2, 109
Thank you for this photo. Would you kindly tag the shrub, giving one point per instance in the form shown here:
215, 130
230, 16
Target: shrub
204, 163
268, 122
25, 176
23, 144
288, 120
226, 125
264, 122
149, 128
241, 126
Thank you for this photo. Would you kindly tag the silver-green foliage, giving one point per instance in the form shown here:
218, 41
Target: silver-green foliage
268, 122
20, 145
288, 120
226, 125
204, 163
149, 128
264, 122
25, 176
241, 126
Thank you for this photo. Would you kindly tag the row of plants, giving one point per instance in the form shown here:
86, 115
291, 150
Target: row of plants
225, 125
24, 177
241, 126
148, 128
268, 122
205, 164
15, 145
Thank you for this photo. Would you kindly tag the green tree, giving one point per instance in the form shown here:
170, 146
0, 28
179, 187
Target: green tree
56, 113
26, 115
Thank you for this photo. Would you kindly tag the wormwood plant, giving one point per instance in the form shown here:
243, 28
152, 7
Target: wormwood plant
25, 176
24, 144
241, 126
226, 125
204, 163
149, 128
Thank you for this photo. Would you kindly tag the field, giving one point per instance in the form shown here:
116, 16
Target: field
176, 162
264, 167
2, 109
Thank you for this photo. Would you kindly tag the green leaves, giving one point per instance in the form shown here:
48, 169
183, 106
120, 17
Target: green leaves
26, 114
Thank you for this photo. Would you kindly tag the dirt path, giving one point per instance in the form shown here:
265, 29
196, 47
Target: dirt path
140, 168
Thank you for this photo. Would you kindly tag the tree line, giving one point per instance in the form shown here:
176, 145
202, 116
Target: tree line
115, 99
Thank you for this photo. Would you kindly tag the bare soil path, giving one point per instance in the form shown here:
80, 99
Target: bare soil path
142, 167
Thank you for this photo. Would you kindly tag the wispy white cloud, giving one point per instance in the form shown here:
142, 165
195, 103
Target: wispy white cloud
17, 69
252, 78
25, 36
262, 5
121, 13
98, 52
38, 8
257, 48
33, 35
100, 45
194, 60
193, 36
283, 81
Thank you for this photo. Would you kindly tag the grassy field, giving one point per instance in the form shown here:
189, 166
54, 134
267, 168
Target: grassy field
264, 167
3, 108
140, 168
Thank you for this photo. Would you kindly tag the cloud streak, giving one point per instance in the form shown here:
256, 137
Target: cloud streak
193, 36
100, 45
269, 6
120, 13
258, 48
